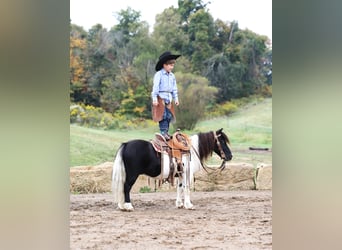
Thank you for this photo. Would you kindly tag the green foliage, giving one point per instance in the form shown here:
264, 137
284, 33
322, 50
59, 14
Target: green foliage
194, 94
237, 71
167, 33
224, 109
266, 91
90, 116
201, 30
222, 31
129, 23
145, 189
250, 125
189, 7
113, 70
94, 117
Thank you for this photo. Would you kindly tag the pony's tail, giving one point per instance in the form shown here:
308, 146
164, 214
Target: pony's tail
118, 177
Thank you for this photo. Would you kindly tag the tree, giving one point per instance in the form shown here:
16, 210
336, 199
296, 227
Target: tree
194, 94
226, 76
114, 69
77, 70
129, 22
188, 7
221, 36
201, 32
236, 71
167, 33
99, 63
267, 66
135, 53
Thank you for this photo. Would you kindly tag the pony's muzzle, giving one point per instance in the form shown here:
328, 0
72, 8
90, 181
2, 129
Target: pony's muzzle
229, 158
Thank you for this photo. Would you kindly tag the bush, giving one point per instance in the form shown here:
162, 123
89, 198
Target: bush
75, 113
224, 109
145, 189
266, 91
94, 117
90, 116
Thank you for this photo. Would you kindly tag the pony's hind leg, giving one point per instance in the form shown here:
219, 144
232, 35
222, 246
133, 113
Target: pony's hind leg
121, 182
179, 200
127, 206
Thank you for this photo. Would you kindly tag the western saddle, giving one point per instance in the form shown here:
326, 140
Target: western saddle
178, 145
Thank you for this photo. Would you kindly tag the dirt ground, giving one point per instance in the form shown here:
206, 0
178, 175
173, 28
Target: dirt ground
221, 220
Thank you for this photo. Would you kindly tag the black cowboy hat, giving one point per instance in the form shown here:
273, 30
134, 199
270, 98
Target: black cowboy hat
164, 58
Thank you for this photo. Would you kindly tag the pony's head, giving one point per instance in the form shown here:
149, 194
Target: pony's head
222, 145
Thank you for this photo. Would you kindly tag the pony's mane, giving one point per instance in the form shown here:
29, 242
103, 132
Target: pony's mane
206, 144
225, 137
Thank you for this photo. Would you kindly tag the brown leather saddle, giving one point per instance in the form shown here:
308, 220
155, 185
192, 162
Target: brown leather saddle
178, 145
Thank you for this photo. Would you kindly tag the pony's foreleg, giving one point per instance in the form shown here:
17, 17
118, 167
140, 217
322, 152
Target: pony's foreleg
118, 180
186, 184
179, 202
187, 202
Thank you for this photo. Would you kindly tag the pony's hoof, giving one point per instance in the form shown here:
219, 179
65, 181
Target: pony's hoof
179, 204
128, 207
121, 206
189, 207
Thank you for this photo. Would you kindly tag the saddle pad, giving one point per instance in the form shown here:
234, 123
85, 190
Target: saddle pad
165, 166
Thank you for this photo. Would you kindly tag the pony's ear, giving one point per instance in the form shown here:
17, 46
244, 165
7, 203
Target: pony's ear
219, 131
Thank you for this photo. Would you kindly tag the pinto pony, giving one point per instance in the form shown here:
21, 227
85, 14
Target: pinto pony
137, 157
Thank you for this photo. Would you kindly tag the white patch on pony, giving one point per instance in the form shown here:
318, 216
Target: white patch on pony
118, 180
179, 202
187, 202
191, 166
128, 207
195, 163
186, 181
165, 162
121, 206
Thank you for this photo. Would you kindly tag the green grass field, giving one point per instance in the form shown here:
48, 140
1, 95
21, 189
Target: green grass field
251, 126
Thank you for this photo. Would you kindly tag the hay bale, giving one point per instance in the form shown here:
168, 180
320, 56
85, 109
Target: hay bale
98, 179
264, 177
236, 176
91, 179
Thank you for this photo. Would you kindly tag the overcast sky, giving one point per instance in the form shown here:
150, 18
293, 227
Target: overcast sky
256, 15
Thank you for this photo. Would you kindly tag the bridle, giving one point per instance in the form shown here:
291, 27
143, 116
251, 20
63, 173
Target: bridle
222, 155
219, 146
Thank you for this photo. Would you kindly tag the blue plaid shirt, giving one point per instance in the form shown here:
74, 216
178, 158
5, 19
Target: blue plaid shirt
164, 85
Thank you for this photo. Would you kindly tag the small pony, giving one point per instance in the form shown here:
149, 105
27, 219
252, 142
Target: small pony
137, 157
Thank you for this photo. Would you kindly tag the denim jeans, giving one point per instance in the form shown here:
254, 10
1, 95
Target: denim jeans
164, 124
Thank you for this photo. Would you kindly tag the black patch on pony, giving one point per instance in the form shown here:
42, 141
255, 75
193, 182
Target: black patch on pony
206, 143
